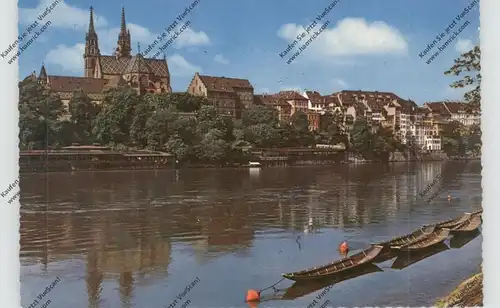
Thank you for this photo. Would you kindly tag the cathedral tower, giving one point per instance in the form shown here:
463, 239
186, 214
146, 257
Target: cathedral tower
124, 45
91, 47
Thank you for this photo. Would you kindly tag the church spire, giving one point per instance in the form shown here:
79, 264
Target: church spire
91, 22
42, 77
123, 26
91, 47
124, 45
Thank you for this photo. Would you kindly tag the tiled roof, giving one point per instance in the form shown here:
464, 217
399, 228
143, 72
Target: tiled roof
423, 110
138, 65
258, 99
314, 96
331, 101
159, 67
456, 107
111, 65
407, 106
70, 84
368, 94
224, 84
291, 95
375, 106
437, 107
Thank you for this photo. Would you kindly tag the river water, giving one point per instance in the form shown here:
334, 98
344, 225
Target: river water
139, 239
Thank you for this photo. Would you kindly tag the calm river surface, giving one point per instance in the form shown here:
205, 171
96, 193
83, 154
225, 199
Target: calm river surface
137, 239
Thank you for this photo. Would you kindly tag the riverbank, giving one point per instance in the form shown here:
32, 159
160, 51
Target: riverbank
468, 294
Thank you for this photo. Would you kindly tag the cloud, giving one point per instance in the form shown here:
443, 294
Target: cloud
189, 37
70, 59
145, 37
464, 45
340, 83
350, 37
62, 16
221, 59
181, 67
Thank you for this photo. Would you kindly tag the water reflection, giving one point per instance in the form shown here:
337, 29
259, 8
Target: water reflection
129, 227
406, 259
460, 240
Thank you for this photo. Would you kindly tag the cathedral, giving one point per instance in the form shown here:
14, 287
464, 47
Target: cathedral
101, 72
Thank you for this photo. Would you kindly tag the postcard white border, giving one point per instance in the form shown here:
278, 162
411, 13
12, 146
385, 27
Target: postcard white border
9, 213
10, 285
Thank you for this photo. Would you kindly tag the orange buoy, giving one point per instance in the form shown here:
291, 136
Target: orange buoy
252, 296
252, 304
344, 248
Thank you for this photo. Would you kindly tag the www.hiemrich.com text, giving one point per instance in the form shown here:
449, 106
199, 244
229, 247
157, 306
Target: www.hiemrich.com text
309, 31
30, 34
171, 29
450, 33
13, 188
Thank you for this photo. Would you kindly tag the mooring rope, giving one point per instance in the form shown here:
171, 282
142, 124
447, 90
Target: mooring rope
272, 286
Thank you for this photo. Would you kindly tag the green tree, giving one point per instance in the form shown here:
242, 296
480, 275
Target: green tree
453, 138
468, 68
212, 147
158, 128
299, 130
39, 113
261, 135
112, 124
143, 112
186, 102
259, 114
361, 137
82, 113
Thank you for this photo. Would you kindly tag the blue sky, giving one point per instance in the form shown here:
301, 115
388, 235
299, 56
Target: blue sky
368, 44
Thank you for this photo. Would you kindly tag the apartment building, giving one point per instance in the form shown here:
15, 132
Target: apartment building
281, 105
316, 102
459, 113
228, 95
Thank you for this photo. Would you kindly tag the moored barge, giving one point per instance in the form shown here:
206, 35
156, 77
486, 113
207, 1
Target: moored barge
92, 158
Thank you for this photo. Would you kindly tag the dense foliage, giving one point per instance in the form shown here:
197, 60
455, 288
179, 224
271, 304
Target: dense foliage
180, 123
468, 68
189, 127
457, 139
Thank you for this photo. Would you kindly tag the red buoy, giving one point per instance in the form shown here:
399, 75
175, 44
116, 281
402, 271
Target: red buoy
252, 296
344, 248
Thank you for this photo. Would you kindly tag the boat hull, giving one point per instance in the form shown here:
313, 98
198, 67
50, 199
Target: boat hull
454, 222
336, 267
414, 237
301, 288
435, 238
468, 226
406, 259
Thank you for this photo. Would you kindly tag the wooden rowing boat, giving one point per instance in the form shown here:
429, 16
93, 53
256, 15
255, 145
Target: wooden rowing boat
477, 213
406, 259
468, 226
459, 240
407, 239
453, 222
436, 237
301, 288
331, 269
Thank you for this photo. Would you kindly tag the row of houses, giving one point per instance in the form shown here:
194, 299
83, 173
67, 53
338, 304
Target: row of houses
230, 96
406, 119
